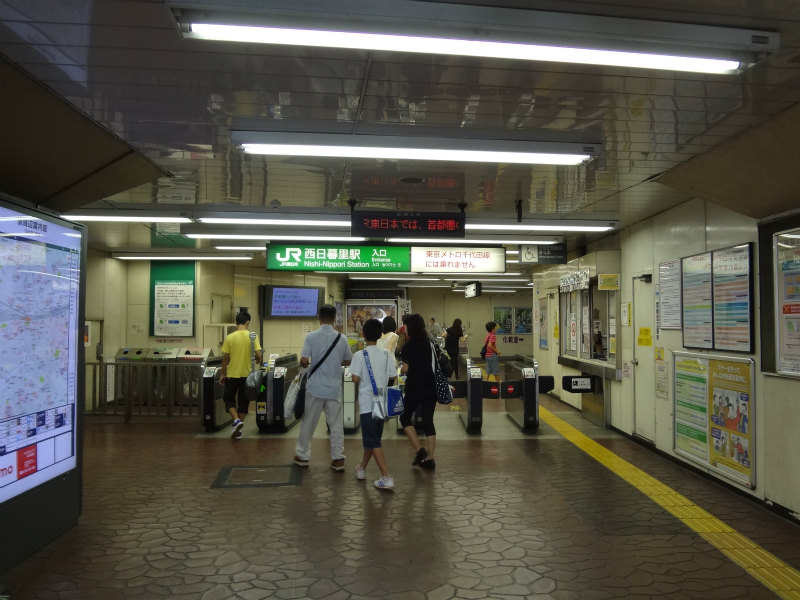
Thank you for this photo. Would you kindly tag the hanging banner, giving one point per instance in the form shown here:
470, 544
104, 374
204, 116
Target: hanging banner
713, 408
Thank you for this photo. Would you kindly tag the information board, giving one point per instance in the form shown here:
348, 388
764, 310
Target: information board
733, 307
669, 281
713, 413
41, 322
787, 299
697, 301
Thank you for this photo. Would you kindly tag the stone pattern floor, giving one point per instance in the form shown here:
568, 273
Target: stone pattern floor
503, 516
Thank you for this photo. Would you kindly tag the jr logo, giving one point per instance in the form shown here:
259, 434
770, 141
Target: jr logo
292, 254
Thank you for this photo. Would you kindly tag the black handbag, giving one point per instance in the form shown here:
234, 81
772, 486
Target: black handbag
483, 351
444, 393
443, 358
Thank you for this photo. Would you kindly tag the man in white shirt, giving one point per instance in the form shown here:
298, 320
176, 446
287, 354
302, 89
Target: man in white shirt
323, 388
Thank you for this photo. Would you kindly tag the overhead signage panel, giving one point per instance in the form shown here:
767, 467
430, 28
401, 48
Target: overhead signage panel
398, 184
551, 254
444, 259
407, 224
333, 257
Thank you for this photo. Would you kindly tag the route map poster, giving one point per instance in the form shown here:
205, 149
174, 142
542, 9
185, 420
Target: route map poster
40, 345
713, 413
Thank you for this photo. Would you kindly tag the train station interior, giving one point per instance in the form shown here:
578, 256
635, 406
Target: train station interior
612, 185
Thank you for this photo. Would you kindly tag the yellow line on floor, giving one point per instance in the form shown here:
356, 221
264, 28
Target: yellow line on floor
775, 574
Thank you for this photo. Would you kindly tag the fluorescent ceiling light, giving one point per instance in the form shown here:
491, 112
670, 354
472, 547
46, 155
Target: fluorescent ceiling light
457, 47
163, 256
396, 278
566, 225
395, 147
471, 242
480, 277
115, 218
267, 237
279, 222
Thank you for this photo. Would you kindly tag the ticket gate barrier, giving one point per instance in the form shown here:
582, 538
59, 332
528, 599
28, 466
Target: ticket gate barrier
271, 392
350, 407
521, 394
468, 396
213, 412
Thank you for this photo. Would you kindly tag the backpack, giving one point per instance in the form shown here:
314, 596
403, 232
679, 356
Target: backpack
483, 351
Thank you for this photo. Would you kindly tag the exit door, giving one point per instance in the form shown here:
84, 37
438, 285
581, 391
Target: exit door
644, 404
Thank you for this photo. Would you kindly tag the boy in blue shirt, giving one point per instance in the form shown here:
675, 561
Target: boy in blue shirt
384, 369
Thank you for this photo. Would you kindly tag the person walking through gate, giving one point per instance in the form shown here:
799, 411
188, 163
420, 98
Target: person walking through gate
326, 350
452, 336
420, 395
384, 371
237, 350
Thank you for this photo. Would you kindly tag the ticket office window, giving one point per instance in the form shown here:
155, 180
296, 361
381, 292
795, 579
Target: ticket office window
589, 323
570, 324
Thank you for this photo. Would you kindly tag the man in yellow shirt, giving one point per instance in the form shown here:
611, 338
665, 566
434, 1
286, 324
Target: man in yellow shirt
236, 353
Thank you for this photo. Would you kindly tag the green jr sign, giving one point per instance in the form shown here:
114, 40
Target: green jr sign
388, 259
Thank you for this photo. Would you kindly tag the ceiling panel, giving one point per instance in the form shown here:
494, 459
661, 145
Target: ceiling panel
124, 65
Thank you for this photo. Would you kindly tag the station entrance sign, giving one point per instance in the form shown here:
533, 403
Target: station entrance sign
300, 257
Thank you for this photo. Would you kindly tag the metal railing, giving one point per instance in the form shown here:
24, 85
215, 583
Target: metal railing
143, 389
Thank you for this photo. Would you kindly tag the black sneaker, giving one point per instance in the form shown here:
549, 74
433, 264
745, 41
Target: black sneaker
421, 454
428, 464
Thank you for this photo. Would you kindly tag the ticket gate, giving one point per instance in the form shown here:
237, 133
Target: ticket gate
350, 406
469, 397
521, 393
271, 392
212, 406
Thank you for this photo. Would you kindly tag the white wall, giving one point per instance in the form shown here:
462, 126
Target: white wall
694, 227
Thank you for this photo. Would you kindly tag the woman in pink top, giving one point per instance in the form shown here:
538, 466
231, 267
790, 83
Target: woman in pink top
492, 362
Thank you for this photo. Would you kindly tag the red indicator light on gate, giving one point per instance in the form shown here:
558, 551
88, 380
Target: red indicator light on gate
510, 389
493, 389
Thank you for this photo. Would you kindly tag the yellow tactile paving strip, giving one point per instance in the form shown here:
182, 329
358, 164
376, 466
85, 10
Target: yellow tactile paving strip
764, 566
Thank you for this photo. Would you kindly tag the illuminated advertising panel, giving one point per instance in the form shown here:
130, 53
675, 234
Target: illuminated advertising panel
39, 349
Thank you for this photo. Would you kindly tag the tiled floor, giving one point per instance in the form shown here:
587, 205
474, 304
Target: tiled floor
504, 515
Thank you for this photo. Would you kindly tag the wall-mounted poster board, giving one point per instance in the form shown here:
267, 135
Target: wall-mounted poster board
669, 281
172, 298
713, 413
696, 300
358, 311
787, 301
733, 294
543, 323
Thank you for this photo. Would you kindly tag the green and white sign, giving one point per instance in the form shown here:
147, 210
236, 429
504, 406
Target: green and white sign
285, 257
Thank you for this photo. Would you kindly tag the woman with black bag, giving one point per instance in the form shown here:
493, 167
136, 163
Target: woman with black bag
452, 336
420, 393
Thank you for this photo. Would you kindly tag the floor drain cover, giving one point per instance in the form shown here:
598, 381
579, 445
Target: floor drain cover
241, 477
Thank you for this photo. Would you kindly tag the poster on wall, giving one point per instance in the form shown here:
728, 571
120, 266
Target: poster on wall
543, 324
733, 307
338, 324
502, 316
787, 296
697, 301
357, 312
172, 298
523, 320
669, 280
713, 408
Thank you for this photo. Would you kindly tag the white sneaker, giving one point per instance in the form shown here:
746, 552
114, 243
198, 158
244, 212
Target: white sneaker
385, 483
236, 428
361, 474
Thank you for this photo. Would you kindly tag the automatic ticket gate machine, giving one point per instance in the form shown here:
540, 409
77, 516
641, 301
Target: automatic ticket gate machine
271, 393
468, 396
521, 393
350, 407
212, 406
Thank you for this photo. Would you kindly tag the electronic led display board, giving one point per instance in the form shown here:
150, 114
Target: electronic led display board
40, 348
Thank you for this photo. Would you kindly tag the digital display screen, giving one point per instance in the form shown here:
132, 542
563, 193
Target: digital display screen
294, 302
40, 262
